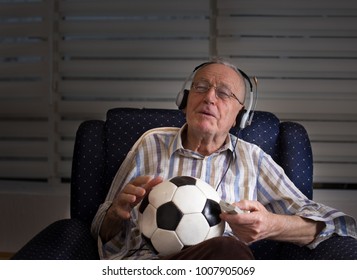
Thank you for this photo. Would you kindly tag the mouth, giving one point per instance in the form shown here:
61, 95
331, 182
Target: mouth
208, 113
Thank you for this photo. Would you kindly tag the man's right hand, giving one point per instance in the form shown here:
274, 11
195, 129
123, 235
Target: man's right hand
131, 195
123, 203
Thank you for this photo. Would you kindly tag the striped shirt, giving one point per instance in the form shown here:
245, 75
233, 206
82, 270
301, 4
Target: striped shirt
250, 173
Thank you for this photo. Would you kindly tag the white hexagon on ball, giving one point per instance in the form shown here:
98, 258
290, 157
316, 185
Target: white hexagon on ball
166, 242
192, 229
148, 224
159, 195
190, 194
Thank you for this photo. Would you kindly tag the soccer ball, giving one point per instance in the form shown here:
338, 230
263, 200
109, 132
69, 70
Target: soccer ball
179, 212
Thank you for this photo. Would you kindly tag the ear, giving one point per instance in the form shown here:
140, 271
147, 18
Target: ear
240, 116
181, 99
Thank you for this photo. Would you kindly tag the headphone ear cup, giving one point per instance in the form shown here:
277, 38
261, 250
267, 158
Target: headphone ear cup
242, 117
245, 116
244, 121
181, 99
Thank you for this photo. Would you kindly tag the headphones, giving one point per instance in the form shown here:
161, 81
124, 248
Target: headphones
244, 117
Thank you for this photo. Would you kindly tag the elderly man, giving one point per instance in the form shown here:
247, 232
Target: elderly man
240, 172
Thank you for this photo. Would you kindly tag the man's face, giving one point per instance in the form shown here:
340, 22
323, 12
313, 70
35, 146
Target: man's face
207, 113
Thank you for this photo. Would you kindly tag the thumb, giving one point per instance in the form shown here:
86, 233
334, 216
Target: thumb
246, 205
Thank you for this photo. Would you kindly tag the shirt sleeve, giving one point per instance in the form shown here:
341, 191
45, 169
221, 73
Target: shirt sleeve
122, 177
279, 195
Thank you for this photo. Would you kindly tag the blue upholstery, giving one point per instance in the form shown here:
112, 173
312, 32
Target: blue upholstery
101, 147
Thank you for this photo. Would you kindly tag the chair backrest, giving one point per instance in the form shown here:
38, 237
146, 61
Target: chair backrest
101, 147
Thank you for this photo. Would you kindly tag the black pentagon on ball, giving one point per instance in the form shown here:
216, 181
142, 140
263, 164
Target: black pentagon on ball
144, 204
168, 216
183, 181
211, 212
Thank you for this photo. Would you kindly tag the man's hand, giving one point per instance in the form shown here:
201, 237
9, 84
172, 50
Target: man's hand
253, 225
258, 224
131, 195
123, 203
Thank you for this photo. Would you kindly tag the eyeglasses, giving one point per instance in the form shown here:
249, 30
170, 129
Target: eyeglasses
222, 92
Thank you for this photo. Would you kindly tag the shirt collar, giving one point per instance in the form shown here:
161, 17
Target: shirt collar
176, 144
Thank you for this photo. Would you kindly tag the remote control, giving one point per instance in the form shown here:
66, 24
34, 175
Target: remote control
229, 208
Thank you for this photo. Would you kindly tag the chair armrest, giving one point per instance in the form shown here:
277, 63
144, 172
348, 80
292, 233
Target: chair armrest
266, 249
334, 248
67, 239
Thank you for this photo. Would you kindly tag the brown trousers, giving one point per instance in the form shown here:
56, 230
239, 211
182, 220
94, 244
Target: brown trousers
218, 248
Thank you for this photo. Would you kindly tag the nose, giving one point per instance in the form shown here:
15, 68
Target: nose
210, 95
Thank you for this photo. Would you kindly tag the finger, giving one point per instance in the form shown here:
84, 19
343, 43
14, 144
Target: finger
141, 185
152, 183
126, 198
237, 219
145, 189
134, 190
248, 205
142, 189
141, 180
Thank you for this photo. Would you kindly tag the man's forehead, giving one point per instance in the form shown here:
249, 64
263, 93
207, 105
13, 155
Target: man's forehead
220, 73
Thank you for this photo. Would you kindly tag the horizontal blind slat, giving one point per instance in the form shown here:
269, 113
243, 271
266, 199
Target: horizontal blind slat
119, 90
128, 8
335, 172
283, 7
148, 48
143, 29
308, 109
23, 70
26, 169
23, 149
18, 9
334, 152
98, 109
127, 69
23, 90
25, 49
289, 47
299, 68
333, 131
308, 88
287, 26
23, 129
24, 109
34, 30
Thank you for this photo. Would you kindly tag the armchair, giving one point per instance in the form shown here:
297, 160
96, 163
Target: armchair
100, 148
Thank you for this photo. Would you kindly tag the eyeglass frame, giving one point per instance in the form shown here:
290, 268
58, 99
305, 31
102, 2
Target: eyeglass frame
216, 91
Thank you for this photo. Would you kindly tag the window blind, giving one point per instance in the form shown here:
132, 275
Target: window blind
124, 53
304, 54
24, 90
65, 61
